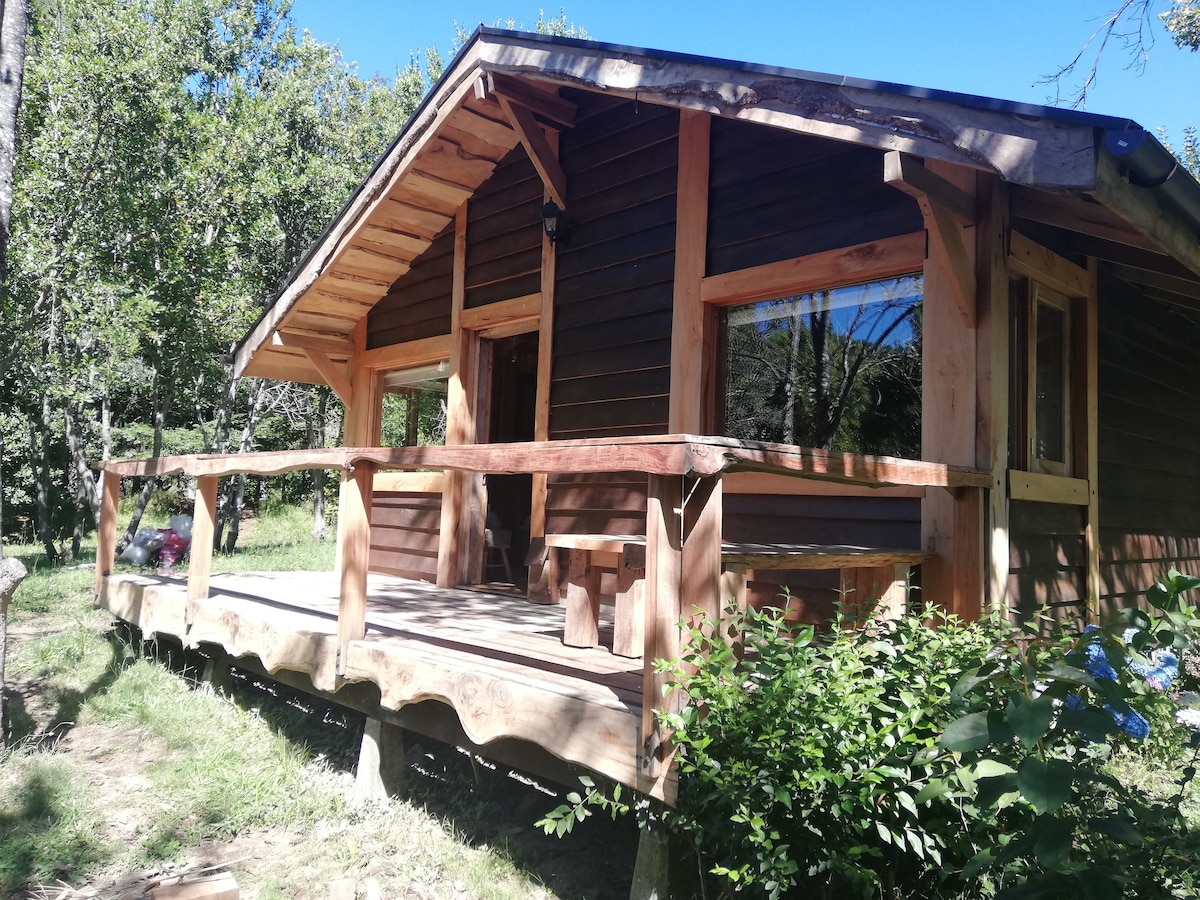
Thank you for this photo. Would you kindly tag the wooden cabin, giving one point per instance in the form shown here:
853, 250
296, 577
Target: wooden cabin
791, 331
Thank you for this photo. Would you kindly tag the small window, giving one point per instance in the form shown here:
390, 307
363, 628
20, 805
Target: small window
838, 369
1051, 410
1041, 365
414, 406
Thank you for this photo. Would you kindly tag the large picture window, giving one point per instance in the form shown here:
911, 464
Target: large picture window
837, 369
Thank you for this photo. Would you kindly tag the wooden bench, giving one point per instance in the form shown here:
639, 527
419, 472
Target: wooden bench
587, 555
866, 573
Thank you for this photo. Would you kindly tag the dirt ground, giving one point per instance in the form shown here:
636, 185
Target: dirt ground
483, 806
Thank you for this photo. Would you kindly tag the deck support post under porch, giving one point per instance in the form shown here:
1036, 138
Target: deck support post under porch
382, 770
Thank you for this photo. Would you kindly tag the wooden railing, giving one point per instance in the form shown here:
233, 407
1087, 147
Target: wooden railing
683, 525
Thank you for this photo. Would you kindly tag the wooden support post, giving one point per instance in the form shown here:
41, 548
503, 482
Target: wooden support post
540, 586
1085, 438
583, 601
664, 607
204, 516
951, 521
700, 584
992, 349
692, 325
217, 674
651, 870
683, 577
381, 771
106, 536
354, 549
629, 627
460, 411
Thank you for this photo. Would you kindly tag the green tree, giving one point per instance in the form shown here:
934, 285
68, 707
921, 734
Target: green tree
177, 158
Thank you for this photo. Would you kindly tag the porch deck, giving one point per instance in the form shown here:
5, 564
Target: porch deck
497, 660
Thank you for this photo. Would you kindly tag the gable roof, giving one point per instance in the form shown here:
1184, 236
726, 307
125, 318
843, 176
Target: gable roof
1104, 178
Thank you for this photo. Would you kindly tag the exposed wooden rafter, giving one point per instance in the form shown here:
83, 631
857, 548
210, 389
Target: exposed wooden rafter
549, 107
946, 209
1143, 210
523, 122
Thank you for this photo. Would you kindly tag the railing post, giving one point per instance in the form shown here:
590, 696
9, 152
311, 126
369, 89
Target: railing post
106, 531
354, 548
204, 516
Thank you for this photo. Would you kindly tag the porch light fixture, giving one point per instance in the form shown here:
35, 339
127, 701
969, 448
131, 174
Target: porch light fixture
552, 222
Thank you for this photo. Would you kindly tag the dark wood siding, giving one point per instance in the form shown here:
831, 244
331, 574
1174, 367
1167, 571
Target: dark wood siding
776, 195
596, 504
418, 304
1149, 411
404, 533
613, 291
504, 233
1047, 559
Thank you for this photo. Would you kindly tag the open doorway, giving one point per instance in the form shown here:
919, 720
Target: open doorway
509, 366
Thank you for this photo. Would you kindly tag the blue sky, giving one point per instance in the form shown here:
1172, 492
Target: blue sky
997, 49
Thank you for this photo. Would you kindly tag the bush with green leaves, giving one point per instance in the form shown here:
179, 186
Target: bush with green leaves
808, 757
1037, 724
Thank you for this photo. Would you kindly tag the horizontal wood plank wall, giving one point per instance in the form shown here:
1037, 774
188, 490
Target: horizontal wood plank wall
1149, 480
893, 522
611, 372
418, 304
613, 280
776, 195
504, 233
1047, 559
404, 533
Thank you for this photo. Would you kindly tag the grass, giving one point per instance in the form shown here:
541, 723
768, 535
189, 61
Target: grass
188, 768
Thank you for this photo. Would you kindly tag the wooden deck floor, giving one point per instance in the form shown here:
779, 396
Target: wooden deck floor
497, 660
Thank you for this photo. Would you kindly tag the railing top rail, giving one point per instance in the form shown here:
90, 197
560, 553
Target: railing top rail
672, 454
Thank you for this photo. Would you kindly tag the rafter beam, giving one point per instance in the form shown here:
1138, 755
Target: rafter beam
552, 109
945, 208
327, 345
540, 152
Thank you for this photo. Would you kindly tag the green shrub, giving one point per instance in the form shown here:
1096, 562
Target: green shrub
809, 759
896, 759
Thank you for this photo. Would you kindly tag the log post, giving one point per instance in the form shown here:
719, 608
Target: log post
354, 548
200, 552
381, 771
683, 574
106, 533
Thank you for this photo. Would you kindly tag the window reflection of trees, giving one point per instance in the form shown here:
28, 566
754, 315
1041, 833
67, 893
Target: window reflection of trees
838, 369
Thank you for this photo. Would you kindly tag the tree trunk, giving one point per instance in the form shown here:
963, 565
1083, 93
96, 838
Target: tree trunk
12, 572
14, 24
86, 485
162, 401
316, 440
40, 444
237, 494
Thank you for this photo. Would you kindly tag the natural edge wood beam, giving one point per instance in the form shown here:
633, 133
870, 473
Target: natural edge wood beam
945, 208
541, 154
